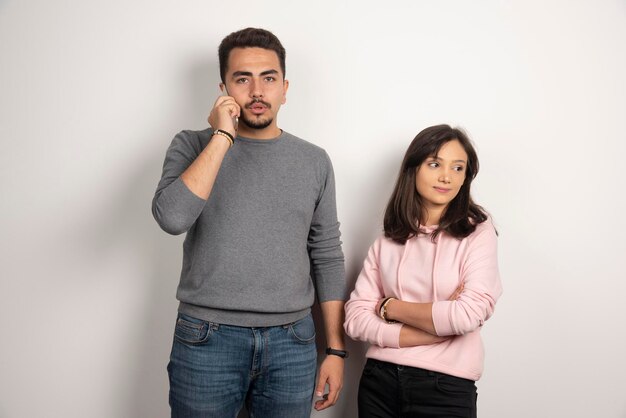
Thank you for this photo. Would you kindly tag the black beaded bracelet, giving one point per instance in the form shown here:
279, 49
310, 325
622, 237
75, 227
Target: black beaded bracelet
223, 132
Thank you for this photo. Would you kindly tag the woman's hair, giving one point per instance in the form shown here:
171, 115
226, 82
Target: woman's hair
405, 208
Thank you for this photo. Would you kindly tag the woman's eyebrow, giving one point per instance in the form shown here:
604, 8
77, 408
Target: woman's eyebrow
434, 157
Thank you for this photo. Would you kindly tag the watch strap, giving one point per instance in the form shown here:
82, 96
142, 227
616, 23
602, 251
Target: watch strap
339, 353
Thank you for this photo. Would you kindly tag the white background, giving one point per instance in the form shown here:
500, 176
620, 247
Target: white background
91, 94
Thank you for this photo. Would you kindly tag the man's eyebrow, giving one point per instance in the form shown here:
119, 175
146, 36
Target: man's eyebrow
242, 73
249, 74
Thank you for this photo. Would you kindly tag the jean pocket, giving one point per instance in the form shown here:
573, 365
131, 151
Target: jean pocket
458, 386
191, 330
303, 330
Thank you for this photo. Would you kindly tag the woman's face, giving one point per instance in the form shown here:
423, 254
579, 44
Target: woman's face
440, 177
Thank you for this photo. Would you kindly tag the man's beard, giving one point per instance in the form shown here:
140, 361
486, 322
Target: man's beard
256, 124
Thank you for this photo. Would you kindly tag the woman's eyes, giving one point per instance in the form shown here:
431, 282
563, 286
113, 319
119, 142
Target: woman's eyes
457, 168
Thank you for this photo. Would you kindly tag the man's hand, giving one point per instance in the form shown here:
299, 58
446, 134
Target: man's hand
222, 116
200, 176
331, 374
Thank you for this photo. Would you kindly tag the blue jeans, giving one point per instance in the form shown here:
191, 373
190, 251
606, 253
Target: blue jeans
214, 369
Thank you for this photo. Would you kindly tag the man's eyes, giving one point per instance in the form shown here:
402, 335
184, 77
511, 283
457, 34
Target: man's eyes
245, 80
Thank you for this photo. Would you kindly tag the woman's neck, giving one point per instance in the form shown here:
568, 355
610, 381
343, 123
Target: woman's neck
431, 216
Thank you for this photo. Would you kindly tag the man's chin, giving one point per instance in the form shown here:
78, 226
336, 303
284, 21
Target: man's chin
257, 124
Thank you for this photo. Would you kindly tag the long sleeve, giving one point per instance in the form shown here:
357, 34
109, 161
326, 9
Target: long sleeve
324, 244
362, 323
174, 206
479, 272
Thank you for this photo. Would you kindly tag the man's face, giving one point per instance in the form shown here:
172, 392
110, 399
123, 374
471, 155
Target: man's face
254, 79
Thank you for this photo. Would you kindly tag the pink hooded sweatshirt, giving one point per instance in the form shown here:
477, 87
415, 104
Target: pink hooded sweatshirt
425, 271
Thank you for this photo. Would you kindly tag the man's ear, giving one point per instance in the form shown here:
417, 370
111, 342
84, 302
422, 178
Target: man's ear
285, 88
223, 88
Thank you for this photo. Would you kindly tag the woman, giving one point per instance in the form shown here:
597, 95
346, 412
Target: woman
427, 286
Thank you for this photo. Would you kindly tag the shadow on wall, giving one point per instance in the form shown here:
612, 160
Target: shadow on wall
163, 260
158, 260
159, 254
141, 387
151, 386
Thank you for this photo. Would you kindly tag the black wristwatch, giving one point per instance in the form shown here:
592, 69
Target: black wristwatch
339, 353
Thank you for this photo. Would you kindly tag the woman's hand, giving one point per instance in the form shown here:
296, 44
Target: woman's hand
457, 292
378, 305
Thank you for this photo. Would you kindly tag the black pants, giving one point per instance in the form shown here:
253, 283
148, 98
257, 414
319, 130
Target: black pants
388, 390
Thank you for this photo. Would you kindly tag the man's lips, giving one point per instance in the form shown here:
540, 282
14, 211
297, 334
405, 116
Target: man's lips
258, 108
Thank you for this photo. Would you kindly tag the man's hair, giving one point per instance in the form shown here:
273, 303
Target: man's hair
249, 38
405, 207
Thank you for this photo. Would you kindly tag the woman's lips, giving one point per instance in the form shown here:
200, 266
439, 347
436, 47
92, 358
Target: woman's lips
441, 189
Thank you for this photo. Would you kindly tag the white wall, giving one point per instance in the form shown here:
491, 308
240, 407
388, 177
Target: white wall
91, 94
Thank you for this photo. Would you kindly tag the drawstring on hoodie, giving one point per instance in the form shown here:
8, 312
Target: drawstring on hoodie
434, 266
435, 261
404, 251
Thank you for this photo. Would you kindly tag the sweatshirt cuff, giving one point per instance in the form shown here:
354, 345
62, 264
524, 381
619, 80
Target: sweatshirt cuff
441, 318
390, 335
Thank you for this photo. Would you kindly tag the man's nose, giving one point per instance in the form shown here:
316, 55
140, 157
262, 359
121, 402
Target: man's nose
256, 88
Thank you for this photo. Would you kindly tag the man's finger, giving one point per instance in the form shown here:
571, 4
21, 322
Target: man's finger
321, 384
322, 404
333, 395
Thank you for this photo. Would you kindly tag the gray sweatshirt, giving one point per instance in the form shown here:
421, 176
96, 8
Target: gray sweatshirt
266, 239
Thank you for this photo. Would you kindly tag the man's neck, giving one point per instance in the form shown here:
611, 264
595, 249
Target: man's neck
270, 132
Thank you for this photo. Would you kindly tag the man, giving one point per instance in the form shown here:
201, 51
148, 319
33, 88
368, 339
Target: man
258, 206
